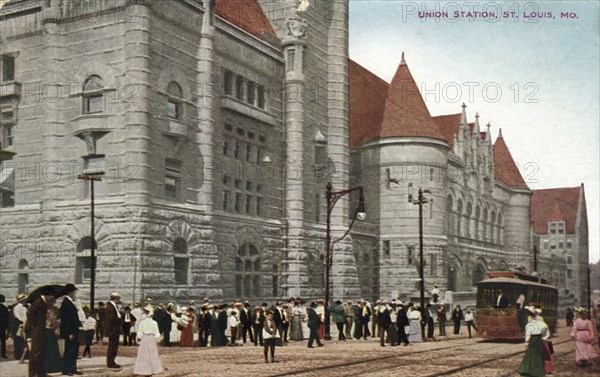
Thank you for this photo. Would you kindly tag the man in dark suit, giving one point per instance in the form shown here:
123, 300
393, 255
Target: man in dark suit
35, 325
365, 316
127, 321
69, 330
258, 319
113, 329
278, 318
501, 300
441, 314
401, 322
164, 321
313, 324
457, 316
204, 320
3, 326
385, 321
100, 322
245, 319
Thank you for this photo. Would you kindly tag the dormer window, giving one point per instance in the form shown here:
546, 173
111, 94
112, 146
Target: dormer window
174, 103
93, 98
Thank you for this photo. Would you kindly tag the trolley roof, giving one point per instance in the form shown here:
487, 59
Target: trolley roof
505, 280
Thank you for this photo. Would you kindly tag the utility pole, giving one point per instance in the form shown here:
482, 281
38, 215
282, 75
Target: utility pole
92, 179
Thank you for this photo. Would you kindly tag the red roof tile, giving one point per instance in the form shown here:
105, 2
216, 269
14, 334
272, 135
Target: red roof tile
405, 111
448, 126
552, 205
367, 94
505, 169
245, 14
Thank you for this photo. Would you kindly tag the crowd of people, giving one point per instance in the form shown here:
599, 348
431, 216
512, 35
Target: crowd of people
51, 329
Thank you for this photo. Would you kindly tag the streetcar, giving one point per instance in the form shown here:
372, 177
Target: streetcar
508, 323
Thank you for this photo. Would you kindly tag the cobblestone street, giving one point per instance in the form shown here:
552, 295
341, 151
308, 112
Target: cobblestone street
350, 358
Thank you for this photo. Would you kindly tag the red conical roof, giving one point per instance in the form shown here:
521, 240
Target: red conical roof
245, 14
505, 169
405, 111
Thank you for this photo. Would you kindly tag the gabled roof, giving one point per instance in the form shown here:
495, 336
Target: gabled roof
554, 205
405, 112
505, 169
245, 14
367, 94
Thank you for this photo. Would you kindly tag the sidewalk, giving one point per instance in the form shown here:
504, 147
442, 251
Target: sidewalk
94, 367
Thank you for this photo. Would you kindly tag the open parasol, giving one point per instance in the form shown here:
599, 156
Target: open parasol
46, 290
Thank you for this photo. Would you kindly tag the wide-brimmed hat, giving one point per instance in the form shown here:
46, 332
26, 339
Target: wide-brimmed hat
69, 288
21, 296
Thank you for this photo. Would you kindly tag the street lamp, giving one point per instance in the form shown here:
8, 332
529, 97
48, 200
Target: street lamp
420, 201
92, 178
332, 198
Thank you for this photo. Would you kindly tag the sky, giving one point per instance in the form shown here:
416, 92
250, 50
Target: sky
534, 77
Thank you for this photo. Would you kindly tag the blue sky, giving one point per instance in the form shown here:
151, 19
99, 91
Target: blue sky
537, 79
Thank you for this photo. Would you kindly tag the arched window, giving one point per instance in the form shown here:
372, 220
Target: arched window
83, 263
477, 234
484, 224
500, 234
175, 101
478, 274
450, 215
468, 220
492, 227
248, 271
93, 98
459, 210
181, 261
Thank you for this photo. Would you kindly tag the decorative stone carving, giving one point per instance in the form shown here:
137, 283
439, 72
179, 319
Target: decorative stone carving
296, 27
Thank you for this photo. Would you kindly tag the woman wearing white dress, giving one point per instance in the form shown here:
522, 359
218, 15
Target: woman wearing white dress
147, 362
414, 335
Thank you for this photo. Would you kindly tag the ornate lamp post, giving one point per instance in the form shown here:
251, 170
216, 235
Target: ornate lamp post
332, 198
92, 178
420, 201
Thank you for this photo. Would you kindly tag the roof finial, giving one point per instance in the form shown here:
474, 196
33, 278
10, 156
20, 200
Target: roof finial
488, 135
500, 132
476, 130
402, 61
463, 116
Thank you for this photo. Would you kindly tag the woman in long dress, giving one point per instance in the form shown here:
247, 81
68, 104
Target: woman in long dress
187, 334
583, 335
414, 335
536, 332
53, 359
298, 316
147, 362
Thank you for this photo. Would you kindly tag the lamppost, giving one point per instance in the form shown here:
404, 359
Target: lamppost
420, 201
332, 198
92, 178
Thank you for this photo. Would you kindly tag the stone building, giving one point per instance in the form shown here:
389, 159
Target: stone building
560, 234
215, 126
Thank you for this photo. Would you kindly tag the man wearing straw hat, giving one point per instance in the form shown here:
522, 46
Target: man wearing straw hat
19, 312
113, 329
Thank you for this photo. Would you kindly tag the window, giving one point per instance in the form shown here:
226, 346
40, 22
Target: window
386, 248
260, 94
83, 263
569, 274
93, 98
561, 245
236, 150
7, 121
569, 244
238, 202
228, 82
94, 165
552, 245
174, 102
569, 260
225, 200
410, 253
251, 99
181, 261
225, 147
545, 245
239, 88
259, 210
248, 152
291, 57
8, 68
248, 271
172, 178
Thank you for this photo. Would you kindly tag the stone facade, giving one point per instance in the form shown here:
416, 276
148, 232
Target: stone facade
216, 126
